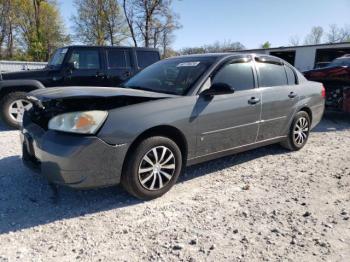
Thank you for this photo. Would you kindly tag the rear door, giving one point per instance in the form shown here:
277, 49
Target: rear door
88, 69
279, 90
118, 65
230, 120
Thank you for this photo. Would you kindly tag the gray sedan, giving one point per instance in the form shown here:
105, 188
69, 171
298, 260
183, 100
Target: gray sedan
177, 112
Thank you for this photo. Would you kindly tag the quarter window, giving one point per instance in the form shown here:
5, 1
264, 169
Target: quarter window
85, 59
237, 75
271, 74
118, 59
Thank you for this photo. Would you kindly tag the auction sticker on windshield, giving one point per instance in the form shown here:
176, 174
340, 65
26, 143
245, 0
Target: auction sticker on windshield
188, 64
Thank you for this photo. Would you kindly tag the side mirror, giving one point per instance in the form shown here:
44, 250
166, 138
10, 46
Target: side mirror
218, 89
72, 65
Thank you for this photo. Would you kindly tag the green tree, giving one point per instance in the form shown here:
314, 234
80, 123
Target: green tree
7, 28
39, 28
266, 45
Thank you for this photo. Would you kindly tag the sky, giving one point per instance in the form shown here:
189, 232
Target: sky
251, 22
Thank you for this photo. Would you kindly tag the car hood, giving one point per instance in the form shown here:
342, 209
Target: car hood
80, 92
25, 74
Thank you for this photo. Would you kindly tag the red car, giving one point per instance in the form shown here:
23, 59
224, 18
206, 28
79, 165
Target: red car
336, 79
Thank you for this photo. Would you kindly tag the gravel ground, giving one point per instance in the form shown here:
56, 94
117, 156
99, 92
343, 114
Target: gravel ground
266, 204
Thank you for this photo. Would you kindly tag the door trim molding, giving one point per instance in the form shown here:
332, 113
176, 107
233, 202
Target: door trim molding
238, 126
239, 147
229, 128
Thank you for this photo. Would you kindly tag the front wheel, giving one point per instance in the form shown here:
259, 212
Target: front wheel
153, 169
12, 108
299, 132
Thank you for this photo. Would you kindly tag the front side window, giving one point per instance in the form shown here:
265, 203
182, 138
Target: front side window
172, 76
237, 75
146, 58
85, 59
118, 59
271, 74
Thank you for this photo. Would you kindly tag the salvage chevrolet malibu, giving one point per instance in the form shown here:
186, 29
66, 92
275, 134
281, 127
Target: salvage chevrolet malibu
176, 112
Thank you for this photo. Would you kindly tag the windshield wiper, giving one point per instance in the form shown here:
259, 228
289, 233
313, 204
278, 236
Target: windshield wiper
151, 90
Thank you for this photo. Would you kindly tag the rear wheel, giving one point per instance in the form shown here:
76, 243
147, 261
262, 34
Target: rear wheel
12, 108
153, 169
299, 132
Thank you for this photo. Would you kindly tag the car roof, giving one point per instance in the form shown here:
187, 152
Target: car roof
347, 56
224, 55
117, 47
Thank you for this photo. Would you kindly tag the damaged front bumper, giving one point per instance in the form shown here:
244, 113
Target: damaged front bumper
72, 160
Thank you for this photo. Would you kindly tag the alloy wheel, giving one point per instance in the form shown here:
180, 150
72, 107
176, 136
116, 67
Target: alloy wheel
157, 168
17, 108
301, 131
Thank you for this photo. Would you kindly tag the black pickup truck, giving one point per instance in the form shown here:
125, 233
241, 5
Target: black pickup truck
71, 66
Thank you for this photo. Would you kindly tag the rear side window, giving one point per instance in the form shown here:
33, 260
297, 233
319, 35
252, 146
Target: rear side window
290, 76
271, 74
237, 75
146, 58
118, 59
85, 59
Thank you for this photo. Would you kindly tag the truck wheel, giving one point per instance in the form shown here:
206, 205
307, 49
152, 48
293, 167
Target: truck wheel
153, 168
12, 108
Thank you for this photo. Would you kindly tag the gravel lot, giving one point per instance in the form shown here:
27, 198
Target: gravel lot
266, 204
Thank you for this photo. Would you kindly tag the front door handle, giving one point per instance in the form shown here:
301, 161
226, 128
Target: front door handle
100, 74
127, 73
292, 95
253, 101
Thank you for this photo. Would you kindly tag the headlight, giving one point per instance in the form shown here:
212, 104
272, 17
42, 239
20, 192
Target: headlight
87, 122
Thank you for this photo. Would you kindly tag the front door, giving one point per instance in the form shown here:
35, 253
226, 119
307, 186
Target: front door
231, 120
88, 70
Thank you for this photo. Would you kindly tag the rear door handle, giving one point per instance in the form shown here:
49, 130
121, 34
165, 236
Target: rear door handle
292, 95
253, 101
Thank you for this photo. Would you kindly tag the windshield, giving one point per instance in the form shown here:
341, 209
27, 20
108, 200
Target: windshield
172, 76
340, 62
57, 58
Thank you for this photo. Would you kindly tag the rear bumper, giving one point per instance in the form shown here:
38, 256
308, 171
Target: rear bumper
72, 160
317, 114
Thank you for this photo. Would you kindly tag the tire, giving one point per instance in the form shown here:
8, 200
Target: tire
139, 175
297, 141
11, 119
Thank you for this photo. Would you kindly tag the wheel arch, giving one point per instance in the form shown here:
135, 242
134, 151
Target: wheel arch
308, 111
10, 86
168, 131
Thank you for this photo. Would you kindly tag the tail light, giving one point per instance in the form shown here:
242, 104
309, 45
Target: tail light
323, 92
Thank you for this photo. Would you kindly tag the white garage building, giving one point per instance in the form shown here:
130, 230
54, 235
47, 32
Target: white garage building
307, 57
